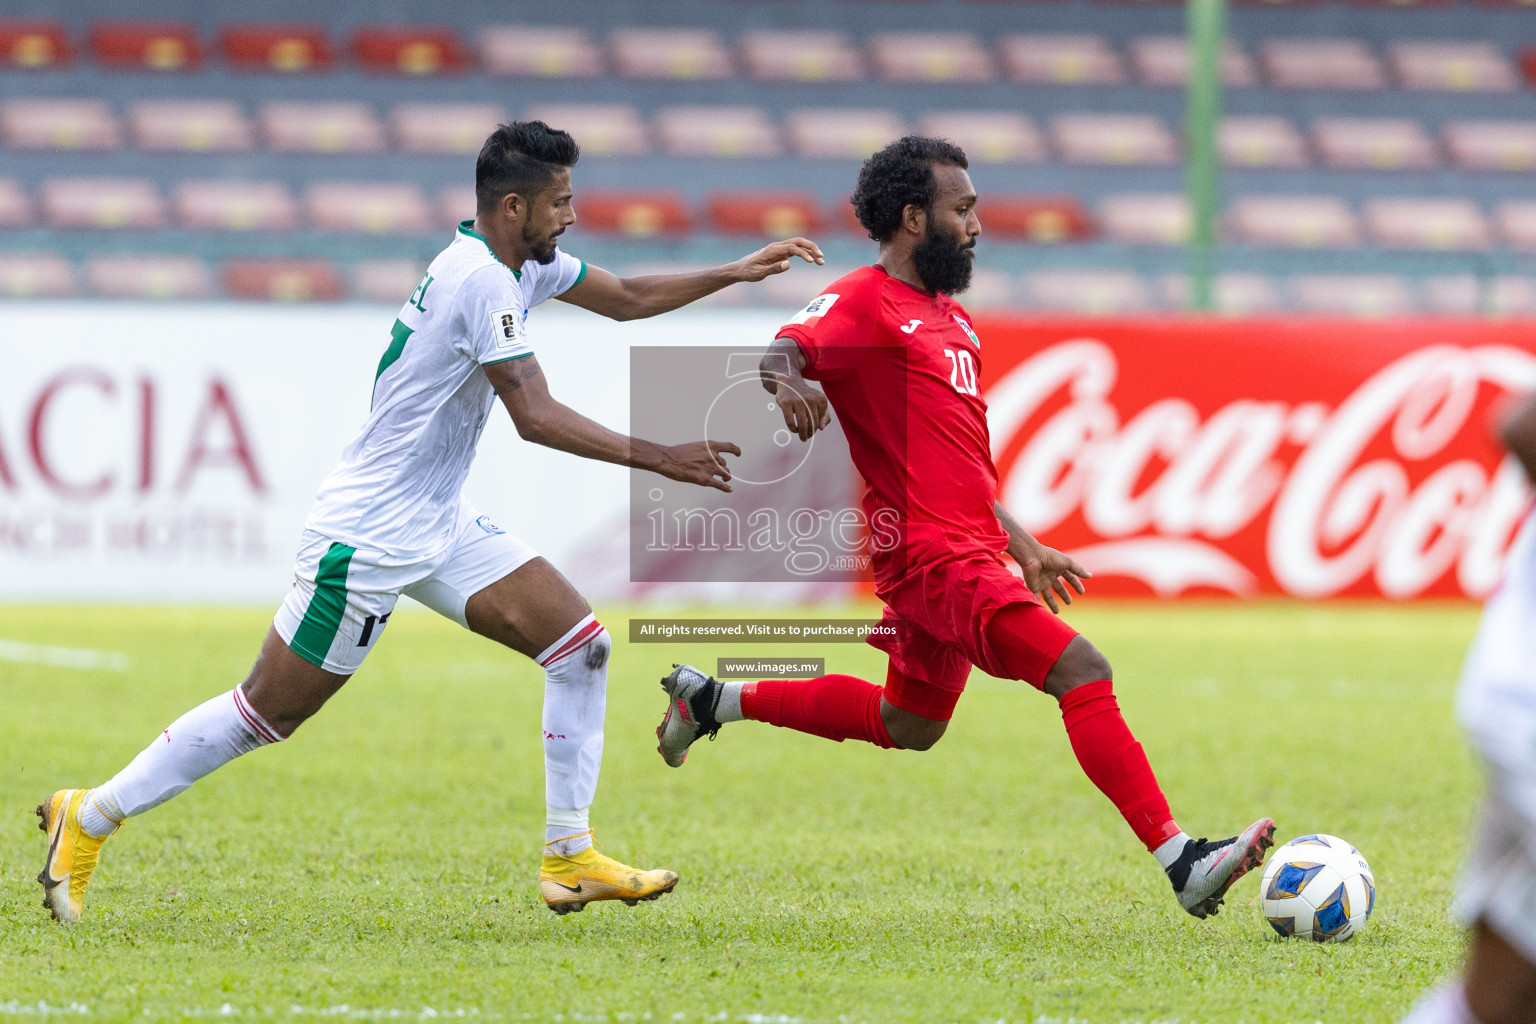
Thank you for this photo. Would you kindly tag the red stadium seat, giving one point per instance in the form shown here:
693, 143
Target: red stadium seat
1528, 64
146, 45
36, 276
930, 57
1164, 60
1260, 142
774, 214
1380, 144
33, 44
717, 131
1096, 292
987, 136
1516, 220
612, 129
1438, 223
190, 125
386, 280
371, 207
322, 127
1160, 219
1400, 3
1362, 295
1466, 295
15, 208
1061, 59
1041, 218
282, 280
148, 277
529, 52
225, 205
841, 132
1452, 66
1119, 139
102, 203
638, 214
286, 49
669, 53
1308, 63
813, 56
1303, 222
1492, 145
409, 49
59, 124
444, 127
1237, 293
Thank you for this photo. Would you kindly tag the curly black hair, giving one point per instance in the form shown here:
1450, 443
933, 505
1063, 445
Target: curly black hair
898, 176
520, 157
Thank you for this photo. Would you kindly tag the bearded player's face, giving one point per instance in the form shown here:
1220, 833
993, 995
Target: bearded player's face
943, 259
550, 212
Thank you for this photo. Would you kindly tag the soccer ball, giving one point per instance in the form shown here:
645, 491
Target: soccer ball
1318, 887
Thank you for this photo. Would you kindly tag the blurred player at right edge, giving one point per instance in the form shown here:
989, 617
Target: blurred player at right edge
900, 364
1496, 704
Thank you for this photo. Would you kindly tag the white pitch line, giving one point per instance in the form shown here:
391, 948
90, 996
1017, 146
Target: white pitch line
63, 657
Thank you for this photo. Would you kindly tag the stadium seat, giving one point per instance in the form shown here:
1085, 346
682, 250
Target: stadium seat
987, 136
59, 124
1438, 223
1161, 219
146, 45
189, 125
101, 203
1362, 295
1164, 60
225, 205
1516, 220
1061, 59
409, 49
1452, 66
930, 57
1306, 222
1466, 295
322, 127
841, 132
1037, 218
611, 129
386, 280
456, 204
638, 213
669, 53
444, 127
1235, 293
33, 43
1528, 64
36, 276
1122, 139
716, 131
282, 280
1491, 145
15, 208
286, 49
371, 207
148, 277
1320, 64
1095, 292
774, 214
528, 52
1260, 142
1378, 144
771, 56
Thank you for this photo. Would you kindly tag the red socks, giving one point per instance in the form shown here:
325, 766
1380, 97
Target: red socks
1115, 762
835, 707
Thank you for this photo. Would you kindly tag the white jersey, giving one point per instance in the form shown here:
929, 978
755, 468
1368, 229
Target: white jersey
1496, 701
396, 491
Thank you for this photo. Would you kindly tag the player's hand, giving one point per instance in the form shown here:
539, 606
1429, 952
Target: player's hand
699, 462
1050, 575
775, 258
804, 408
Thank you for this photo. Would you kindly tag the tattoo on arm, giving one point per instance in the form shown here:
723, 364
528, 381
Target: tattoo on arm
522, 369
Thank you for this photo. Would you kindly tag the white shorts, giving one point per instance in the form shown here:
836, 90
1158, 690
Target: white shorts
1498, 884
342, 597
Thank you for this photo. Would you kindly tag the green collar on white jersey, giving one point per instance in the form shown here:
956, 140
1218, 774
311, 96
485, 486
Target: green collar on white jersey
467, 227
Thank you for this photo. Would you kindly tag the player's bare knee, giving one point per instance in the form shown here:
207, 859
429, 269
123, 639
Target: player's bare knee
1080, 664
912, 732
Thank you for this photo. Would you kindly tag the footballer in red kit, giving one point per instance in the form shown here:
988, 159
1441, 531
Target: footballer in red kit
899, 362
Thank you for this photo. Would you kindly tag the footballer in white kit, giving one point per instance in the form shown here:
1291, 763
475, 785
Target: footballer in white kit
391, 519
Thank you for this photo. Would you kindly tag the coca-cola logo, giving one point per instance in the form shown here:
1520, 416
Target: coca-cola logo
1393, 488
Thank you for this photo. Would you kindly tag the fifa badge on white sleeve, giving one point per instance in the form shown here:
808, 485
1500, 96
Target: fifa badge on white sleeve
816, 310
508, 327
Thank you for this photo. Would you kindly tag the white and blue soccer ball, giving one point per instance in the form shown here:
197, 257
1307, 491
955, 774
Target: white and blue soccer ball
1318, 887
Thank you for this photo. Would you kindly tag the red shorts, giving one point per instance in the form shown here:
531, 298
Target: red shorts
941, 612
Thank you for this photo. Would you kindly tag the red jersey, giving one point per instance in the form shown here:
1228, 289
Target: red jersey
901, 370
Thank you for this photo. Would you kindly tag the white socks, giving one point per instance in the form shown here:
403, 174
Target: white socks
1446, 1005
207, 737
728, 707
575, 701
1168, 854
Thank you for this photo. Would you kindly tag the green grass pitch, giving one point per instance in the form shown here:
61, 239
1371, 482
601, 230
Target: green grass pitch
382, 864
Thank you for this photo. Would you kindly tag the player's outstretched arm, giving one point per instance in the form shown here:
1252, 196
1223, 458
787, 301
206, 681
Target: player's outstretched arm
634, 298
1048, 573
1519, 434
543, 420
804, 407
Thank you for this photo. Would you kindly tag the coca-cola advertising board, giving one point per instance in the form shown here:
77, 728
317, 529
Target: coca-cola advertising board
1303, 457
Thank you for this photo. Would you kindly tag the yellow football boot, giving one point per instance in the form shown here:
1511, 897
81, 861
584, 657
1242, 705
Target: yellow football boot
71, 854
568, 884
